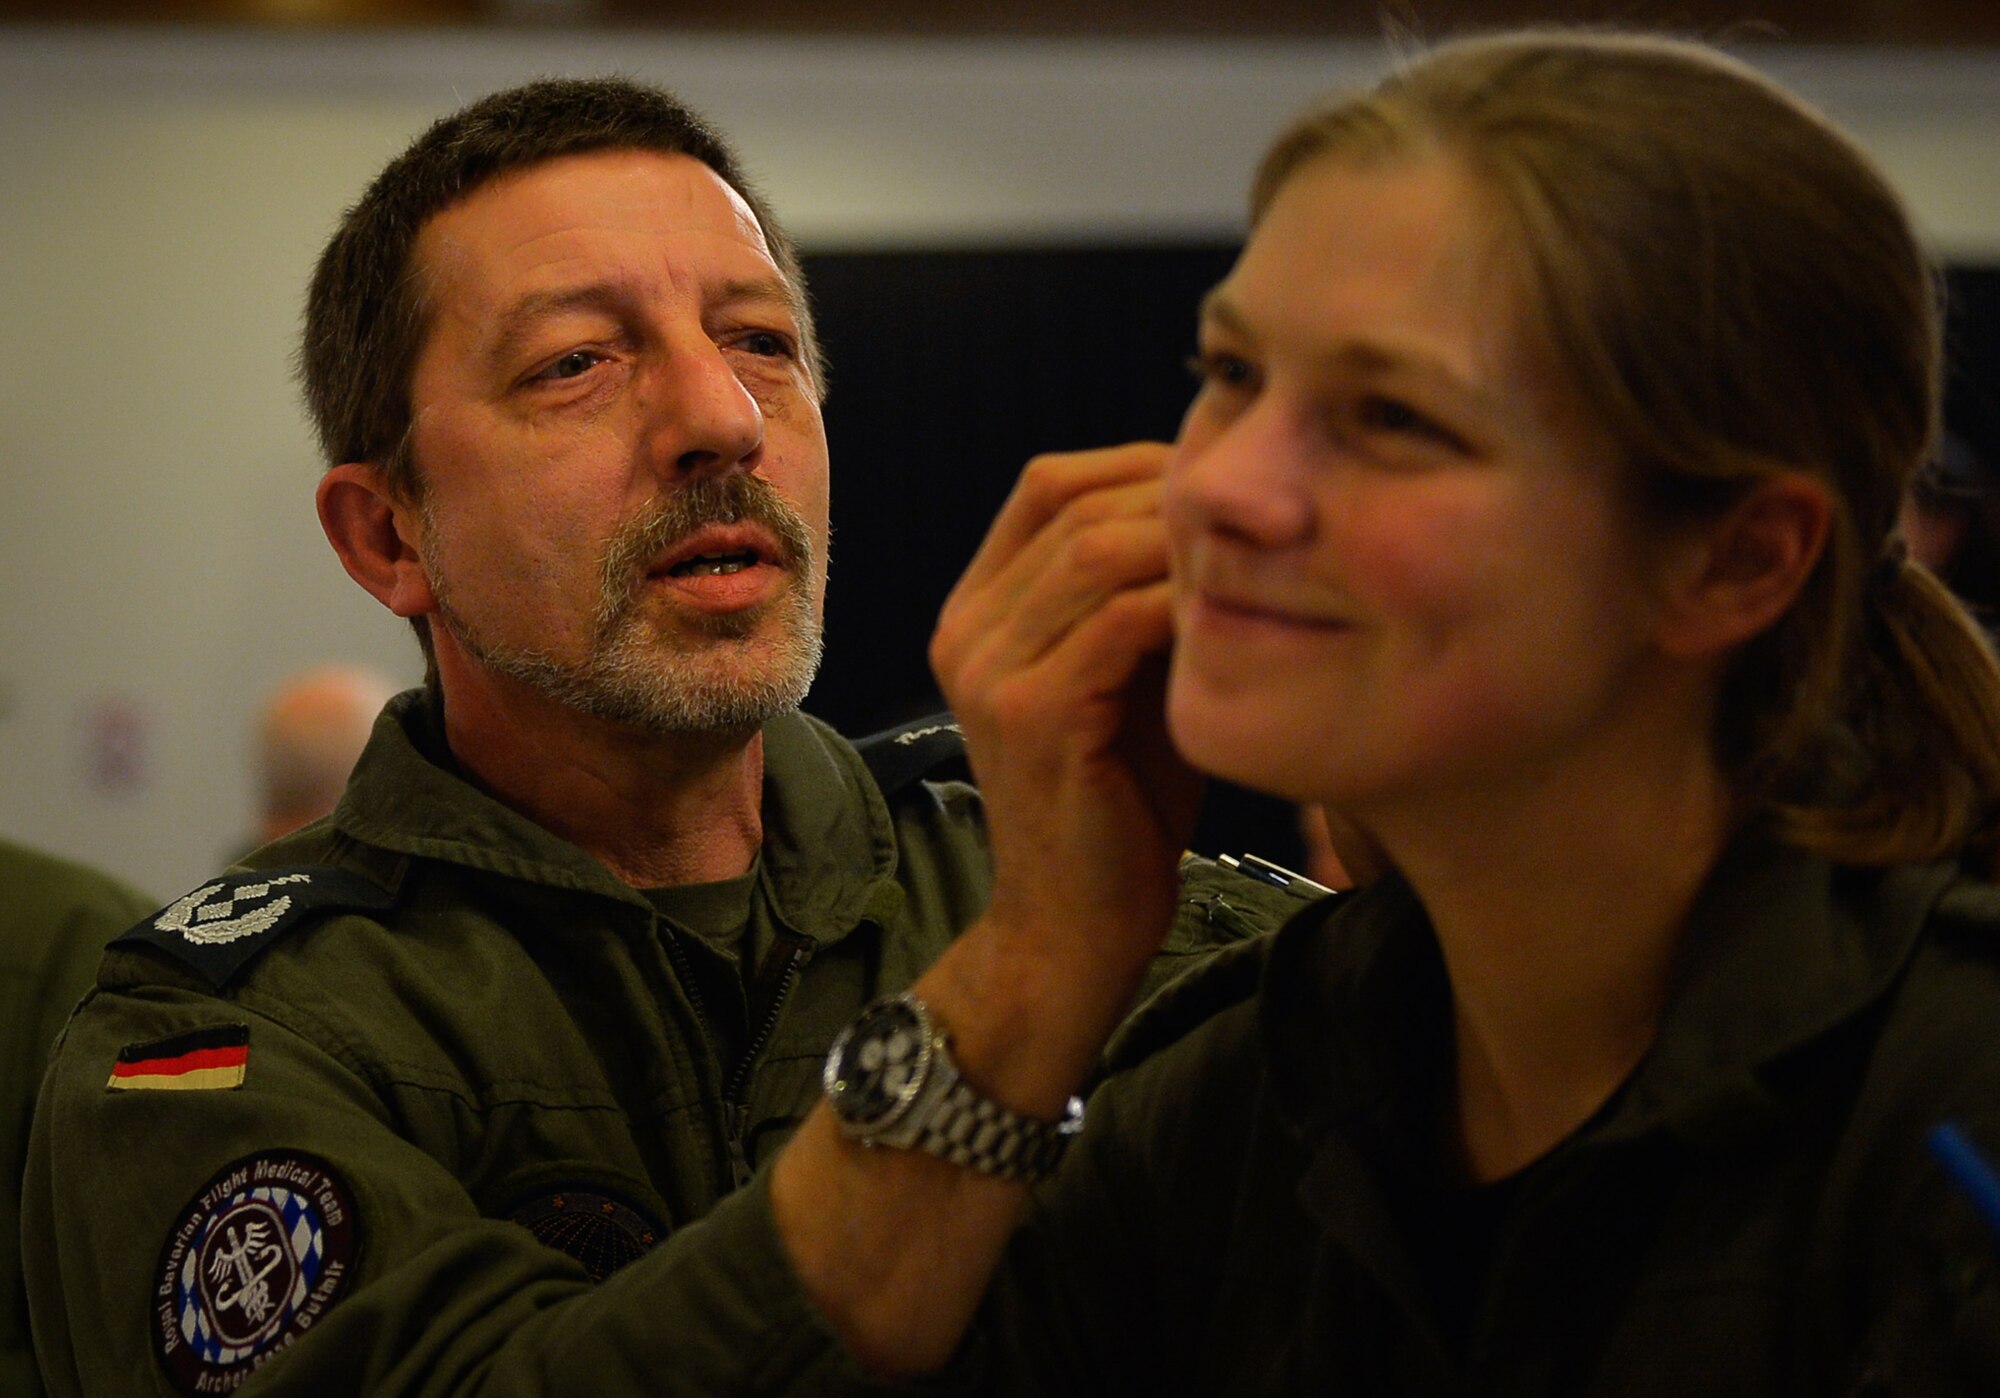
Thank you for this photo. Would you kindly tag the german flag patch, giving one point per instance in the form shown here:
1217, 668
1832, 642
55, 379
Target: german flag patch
202, 1059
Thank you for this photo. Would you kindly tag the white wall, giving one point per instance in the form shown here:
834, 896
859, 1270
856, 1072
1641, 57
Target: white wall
162, 196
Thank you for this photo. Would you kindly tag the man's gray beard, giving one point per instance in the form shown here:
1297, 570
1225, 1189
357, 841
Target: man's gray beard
635, 678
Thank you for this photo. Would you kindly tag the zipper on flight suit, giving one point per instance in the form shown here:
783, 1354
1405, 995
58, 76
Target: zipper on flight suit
775, 979
684, 968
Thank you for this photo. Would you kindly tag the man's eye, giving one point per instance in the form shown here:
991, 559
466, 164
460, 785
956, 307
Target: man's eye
571, 365
767, 344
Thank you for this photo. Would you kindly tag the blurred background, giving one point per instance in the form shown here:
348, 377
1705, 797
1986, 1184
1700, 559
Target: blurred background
1008, 210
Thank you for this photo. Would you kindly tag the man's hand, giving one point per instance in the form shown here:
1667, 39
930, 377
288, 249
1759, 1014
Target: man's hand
1051, 651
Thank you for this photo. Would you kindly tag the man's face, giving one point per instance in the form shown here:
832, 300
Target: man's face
624, 471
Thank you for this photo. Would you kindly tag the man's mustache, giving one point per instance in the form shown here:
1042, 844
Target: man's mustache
735, 497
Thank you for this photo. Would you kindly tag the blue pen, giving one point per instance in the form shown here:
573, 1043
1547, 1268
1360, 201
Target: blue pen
1969, 1170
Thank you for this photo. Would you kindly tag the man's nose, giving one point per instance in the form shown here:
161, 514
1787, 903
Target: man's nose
701, 416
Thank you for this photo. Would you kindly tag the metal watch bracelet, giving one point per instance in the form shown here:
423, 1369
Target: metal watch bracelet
977, 1132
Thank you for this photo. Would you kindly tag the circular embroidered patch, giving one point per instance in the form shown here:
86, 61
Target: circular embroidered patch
258, 1256
601, 1232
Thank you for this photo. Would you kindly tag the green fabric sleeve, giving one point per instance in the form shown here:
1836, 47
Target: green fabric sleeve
441, 1300
55, 918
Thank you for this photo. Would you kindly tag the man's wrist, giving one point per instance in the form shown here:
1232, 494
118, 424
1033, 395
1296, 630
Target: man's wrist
1026, 1025
892, 1081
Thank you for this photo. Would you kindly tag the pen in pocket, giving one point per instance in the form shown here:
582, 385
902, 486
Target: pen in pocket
1969, 1169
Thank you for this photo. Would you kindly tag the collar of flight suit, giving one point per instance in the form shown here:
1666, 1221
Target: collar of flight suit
825, 870
1781, 947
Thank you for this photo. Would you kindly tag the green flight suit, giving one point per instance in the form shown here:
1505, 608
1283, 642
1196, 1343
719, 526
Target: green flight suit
382, 1127
55, 917
1756, 1214
1259, 1207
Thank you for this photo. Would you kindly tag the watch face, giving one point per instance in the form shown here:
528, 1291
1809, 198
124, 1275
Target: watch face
877, 1065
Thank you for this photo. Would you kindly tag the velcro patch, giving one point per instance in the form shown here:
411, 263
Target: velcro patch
600, 1230
266, 1246
201, 1059
219, 927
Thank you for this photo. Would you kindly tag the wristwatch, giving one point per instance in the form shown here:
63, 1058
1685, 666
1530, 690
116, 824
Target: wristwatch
891, 1081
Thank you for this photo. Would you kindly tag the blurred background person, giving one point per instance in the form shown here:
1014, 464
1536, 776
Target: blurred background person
309, 734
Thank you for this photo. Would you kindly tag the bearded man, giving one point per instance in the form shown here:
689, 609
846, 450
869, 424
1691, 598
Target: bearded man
429, 1096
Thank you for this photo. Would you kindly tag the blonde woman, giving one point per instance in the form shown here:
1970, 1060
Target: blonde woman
1536, 511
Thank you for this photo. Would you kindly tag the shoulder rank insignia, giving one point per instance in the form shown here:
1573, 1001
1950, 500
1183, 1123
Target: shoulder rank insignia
219, 927
252, 1261
932, 747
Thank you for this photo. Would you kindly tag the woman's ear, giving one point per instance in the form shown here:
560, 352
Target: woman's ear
1737, 575
374, 534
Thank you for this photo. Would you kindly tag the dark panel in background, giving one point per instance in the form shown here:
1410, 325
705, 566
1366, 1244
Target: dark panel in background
1972, 352
951, 369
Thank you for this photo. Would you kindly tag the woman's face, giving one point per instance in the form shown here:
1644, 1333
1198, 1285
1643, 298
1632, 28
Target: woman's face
1399, 562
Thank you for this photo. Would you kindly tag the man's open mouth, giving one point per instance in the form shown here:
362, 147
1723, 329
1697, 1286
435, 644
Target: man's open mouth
704, 565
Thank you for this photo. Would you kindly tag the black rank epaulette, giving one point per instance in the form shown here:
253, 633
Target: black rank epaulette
1973, 903
930, 749
222, 926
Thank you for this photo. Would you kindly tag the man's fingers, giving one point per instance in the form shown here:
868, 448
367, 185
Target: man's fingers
1038, 650
1047, 486
1102, 652
1077, 528
1075, 694
1044, 595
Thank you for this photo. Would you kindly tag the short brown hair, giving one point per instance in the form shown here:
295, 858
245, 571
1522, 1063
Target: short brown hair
1734, 289
365, 315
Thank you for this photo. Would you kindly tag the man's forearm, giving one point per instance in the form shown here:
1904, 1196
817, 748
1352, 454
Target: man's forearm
895, 1246
1051, 651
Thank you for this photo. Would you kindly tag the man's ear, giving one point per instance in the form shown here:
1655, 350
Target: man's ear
376, 536
1736, 576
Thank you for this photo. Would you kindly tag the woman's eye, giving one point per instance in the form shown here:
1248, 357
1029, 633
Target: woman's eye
1392, 415
1223, 370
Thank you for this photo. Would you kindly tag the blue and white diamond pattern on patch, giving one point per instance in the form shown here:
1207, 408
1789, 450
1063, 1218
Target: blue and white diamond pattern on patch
258, 1257
252, 1267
